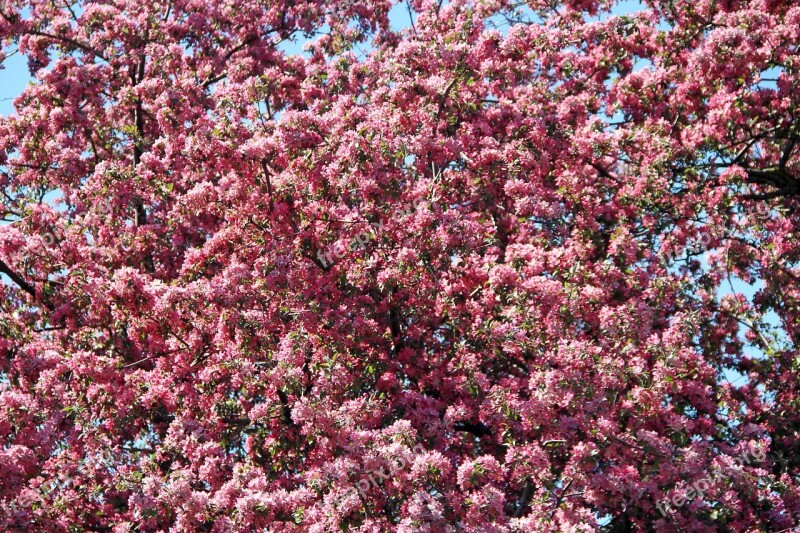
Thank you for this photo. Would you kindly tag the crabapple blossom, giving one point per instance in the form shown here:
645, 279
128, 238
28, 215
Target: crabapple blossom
544, 323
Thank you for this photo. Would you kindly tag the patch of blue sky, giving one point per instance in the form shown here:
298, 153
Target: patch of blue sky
295, 44
401, 17
769, 78
14, 77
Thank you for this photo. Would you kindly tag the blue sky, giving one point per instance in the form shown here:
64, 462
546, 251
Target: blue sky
13, 79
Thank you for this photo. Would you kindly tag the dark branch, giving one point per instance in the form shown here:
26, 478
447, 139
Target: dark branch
786, 183
137, 75
397, 332
479, 430
287, 411
523, 500
21, 283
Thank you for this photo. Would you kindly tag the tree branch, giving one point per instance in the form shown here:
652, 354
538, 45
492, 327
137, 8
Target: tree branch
137, 75
286, 410
523, 499
66, 40
21, 283
479, 430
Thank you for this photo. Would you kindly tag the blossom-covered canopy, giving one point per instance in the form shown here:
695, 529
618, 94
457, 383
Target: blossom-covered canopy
518, 266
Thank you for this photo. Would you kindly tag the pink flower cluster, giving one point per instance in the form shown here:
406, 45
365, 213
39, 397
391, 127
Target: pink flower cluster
360, 241
700, 487
396, 464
